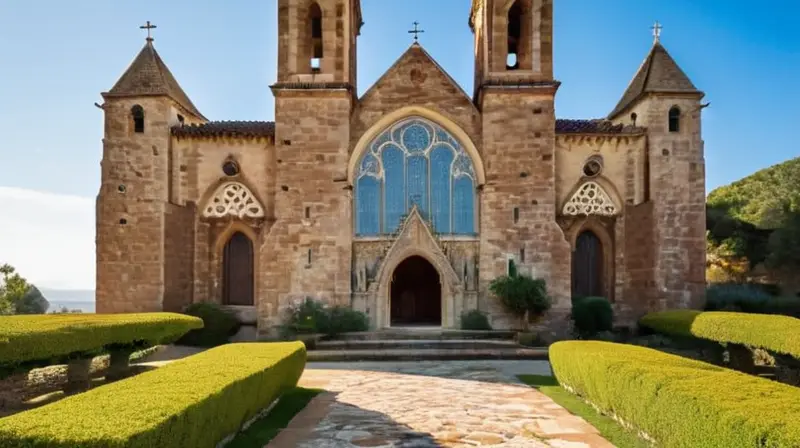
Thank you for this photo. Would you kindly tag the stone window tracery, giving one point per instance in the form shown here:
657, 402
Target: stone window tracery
233, 199
590, 199
415, 162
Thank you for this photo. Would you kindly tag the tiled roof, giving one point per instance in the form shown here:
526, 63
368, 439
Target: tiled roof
148, 75
598, 126
658, 73
245, 129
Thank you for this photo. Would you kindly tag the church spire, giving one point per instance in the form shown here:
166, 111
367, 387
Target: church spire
659, 73
148, 75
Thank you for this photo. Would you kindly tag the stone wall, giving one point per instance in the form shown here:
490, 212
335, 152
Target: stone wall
178, 256
518, 149
130, 207
677, 183
312, 131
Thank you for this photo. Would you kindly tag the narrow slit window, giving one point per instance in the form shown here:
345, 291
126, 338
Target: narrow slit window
516, 215
308, 261
522, 255
308, 212
674, 119
514, 36
137, 113
315, 21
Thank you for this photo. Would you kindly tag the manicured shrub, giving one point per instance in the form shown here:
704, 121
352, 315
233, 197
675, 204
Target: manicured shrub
521, 295
219, 324
304, 317
785, 305
340, 319
736, 297
475, 320
30, 338
193, 402
779, 334
592, 315
315, 317
679, 402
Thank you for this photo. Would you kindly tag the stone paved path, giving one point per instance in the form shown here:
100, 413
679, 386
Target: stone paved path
432, 404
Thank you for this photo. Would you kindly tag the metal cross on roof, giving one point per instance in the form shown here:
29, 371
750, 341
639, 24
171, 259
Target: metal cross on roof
148, 27
416, 31
656, 30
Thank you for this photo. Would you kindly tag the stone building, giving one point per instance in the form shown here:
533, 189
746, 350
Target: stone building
406, 201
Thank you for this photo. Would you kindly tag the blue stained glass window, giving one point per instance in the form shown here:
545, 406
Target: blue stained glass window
368, 206
463, 206
441, 163
418, 183
415, 162
394, 187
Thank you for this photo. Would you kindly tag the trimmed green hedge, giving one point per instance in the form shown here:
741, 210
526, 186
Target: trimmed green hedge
30, 338
677, 401
779, 334
193, 402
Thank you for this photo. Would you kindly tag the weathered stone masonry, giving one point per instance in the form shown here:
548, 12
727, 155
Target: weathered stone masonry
259, 215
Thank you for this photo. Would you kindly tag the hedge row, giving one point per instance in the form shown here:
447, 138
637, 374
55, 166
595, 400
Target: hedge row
30, 338
194, 402
679, 402
779, 334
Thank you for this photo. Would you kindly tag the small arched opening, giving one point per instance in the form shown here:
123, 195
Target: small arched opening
315, 24
587, 266
416, 294
137, 115
674, 119
238, 276
515, 14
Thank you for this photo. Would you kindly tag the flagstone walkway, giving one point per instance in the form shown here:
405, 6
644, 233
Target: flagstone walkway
432, 404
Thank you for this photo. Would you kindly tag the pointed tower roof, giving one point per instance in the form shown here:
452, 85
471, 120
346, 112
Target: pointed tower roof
148, 75
659, 73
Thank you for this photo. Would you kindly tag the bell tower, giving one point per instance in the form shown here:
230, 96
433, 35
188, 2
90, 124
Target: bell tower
317, 41
513, 41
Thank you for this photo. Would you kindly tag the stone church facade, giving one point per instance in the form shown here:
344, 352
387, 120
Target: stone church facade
404, 202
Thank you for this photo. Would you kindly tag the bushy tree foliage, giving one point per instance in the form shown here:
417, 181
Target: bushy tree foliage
17, 296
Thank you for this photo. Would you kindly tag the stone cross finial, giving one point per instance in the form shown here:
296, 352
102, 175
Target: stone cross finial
148, 27
416, 31
656, 30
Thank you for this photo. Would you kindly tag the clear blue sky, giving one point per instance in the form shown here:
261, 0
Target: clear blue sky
57, 56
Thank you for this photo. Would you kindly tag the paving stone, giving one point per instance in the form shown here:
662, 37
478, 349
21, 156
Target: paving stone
455, 404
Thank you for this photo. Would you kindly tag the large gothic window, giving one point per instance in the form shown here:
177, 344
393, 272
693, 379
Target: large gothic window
415, 162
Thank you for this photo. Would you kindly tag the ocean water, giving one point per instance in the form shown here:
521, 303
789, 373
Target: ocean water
84, 307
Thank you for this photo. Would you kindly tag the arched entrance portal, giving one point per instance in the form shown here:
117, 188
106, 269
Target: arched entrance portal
416, 293
587, 266
237, 271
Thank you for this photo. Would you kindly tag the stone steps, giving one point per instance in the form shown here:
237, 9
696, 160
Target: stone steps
429, 354
426, 333
417, 344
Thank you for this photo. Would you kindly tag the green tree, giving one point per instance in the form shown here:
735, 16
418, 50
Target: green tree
521, 295
784, 245
17, 296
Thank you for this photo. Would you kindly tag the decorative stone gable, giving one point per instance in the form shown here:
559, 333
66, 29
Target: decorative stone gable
233, 199
590, 199
414, 237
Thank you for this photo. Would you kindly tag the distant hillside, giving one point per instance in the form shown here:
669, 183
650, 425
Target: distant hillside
762, 198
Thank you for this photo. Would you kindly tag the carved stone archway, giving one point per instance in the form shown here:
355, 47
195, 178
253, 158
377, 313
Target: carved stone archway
416, 239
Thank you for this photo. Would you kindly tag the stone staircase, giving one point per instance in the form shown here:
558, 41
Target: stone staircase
423, 344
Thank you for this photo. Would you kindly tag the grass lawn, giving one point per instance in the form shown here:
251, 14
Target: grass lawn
266, 428
610, 429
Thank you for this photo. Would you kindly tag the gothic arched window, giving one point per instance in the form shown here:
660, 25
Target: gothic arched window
137, 113
674, 119
415, 162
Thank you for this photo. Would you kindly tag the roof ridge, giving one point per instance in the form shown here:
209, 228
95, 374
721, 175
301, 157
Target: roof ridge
149, 75
657, 73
